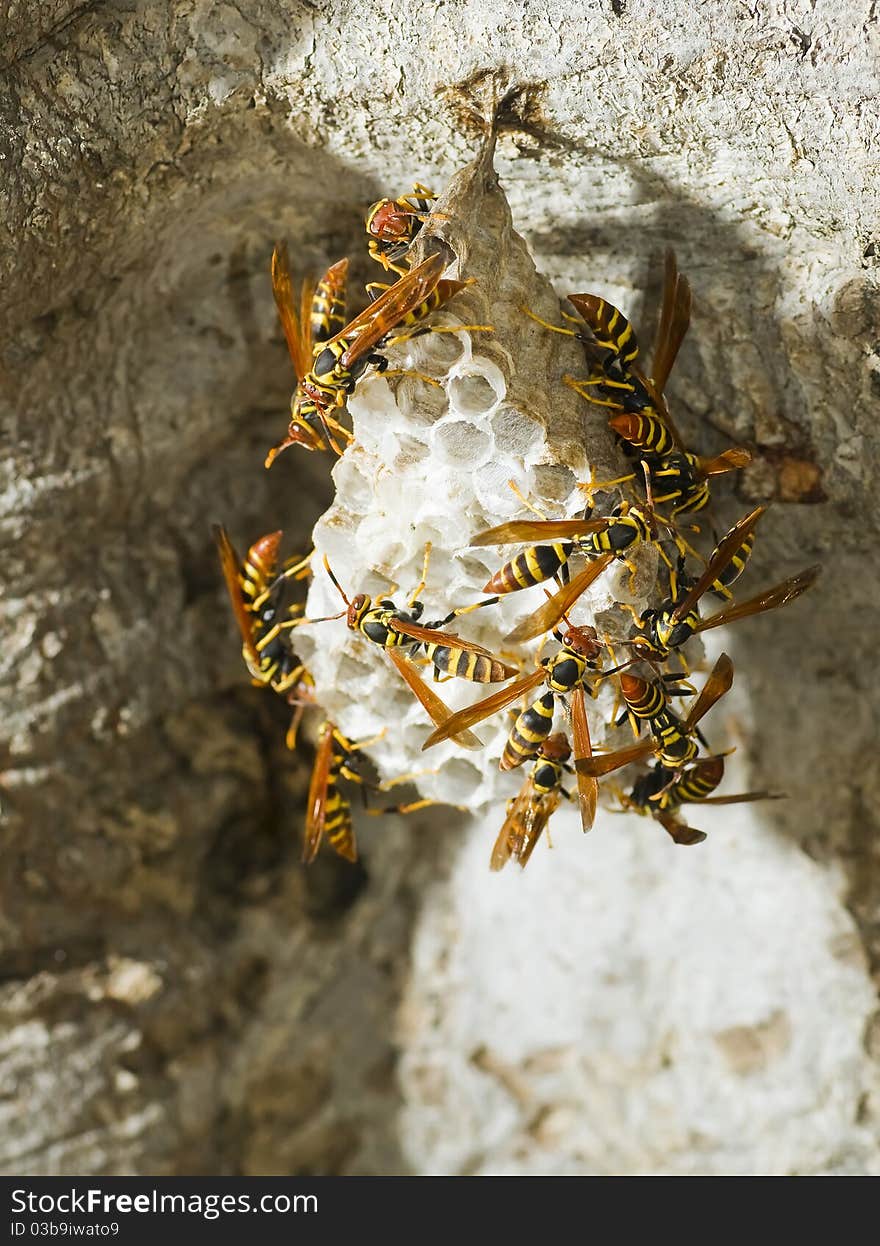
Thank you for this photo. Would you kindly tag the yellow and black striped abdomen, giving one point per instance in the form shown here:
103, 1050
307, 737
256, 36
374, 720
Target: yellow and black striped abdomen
694, 785
610, 328
645, 432
464, 665
529, 732
338, 825
735, 567
328, 305
531, 566
644, 698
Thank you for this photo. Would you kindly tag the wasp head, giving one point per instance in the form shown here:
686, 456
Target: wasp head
358, 607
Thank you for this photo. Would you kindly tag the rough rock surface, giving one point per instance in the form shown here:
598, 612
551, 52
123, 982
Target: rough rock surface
178, 996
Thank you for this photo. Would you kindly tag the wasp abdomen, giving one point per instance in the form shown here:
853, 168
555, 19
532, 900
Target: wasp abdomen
531, 566
464, 665
529, 732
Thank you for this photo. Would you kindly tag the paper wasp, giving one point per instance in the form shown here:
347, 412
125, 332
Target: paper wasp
309, 320
600, 540
671, 625
254, 589
567, 672
609, 331
393, 629
529, 812
660, 793
328, 810
392, 225
672, 740
644, 422
252, 585
394, 317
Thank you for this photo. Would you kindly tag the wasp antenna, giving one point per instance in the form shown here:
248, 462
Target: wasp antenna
339, 587
328, 618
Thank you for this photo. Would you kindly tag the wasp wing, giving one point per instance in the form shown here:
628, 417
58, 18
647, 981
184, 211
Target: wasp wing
738, 799
381, 317
588, 786
430, 635
675, 318
513, 830
548, 615
231, 565
295, 323
730, 461
722, 557
679, 831
316, 805
605, 763
520, 530
719, 682
770, 599
437, 711
535, 818
485, 708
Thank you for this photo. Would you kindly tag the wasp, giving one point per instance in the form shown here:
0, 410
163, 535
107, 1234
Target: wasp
529, 812
647, 701
671, 625
309, 320
328, 810
394, 317
253, 588
624, 385
644, 422
672, 740
660, 793
392, 225
570, 672
609, 332
608, 538
394, 630
683, 478
599, 540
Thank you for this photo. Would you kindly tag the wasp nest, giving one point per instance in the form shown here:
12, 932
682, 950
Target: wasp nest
434, 463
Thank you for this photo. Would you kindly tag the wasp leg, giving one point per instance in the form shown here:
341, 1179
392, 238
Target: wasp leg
419, 588
554, 328
429, 380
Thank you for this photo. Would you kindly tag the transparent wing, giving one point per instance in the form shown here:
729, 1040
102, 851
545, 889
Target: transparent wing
296, 324
770, 599
519, 531
722, 558
379, 318
675, 318
588, 786
485, 708
719, 682
316, 805
437, 711
548, 615
231, 566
